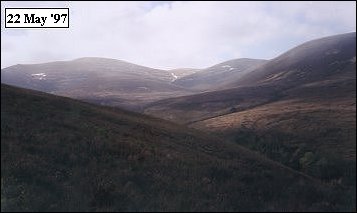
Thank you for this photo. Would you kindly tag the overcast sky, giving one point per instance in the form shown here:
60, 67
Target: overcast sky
175, 34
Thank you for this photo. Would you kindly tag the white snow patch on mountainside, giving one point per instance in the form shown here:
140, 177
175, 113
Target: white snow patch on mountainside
39, 76
174, 76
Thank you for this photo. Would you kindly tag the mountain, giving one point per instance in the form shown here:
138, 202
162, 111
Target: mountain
59, 154
315, 69
213, 77
100, 80
316, 60
298, 109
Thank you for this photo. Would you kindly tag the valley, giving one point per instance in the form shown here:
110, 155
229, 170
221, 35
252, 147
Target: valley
98, 134
300, 103
76, 156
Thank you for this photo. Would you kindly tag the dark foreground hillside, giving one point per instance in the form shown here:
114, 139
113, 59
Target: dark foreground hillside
58, 154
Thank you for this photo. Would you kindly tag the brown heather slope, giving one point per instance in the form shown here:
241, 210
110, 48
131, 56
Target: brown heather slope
324, 126
59, 154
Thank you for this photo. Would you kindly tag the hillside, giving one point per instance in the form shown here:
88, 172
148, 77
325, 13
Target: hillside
312, 61
298, 109
194, 108
100, 80
213, 77
288, 129
322, 112
59, 154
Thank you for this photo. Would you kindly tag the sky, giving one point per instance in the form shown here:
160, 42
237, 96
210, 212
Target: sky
168, 35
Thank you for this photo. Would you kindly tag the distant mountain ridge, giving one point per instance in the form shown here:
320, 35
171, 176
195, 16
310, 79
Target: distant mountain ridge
119, 83
101, 80
327, 61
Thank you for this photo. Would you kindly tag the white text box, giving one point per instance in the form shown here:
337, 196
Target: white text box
36, 18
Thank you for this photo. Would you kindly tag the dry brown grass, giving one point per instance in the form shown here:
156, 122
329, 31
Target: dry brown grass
314, 120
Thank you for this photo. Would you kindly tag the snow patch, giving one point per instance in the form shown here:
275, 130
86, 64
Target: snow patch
225, 66
230, 69
174, 77
39, 76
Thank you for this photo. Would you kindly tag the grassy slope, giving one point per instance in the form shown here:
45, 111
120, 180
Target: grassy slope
322, 112
61, 154
321, 126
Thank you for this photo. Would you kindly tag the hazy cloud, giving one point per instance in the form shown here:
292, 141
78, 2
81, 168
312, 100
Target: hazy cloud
175, 34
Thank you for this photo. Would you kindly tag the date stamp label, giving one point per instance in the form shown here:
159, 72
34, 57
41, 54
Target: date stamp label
36, 17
